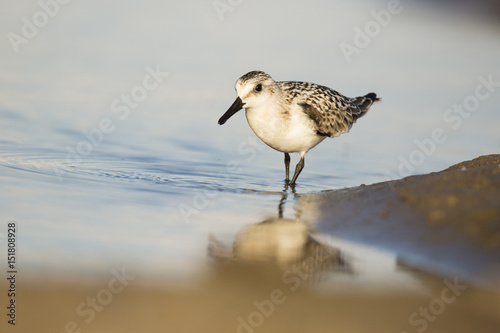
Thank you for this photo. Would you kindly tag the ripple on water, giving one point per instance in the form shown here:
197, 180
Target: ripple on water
141, 173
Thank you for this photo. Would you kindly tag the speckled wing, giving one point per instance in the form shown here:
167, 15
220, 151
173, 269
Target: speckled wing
332, 112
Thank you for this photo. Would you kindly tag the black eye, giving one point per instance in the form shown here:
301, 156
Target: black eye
258, 87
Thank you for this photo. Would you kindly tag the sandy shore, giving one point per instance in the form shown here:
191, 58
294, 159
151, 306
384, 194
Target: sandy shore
250, 299
446, 221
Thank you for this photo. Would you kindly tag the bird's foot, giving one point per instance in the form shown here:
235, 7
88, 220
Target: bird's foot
289, 185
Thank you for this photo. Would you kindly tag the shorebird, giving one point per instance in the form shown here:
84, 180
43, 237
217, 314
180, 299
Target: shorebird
294, 116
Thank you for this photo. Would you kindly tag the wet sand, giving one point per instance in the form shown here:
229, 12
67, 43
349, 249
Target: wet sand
444, 226
252, 299
447, 222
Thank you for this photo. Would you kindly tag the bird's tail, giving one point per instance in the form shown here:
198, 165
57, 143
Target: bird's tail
364, 102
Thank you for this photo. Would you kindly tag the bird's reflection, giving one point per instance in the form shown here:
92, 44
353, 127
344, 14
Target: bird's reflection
287, 244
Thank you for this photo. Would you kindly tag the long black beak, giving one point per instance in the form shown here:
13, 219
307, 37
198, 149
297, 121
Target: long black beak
237, 106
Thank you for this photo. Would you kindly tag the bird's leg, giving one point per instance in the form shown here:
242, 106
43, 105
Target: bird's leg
287, 167
298, 169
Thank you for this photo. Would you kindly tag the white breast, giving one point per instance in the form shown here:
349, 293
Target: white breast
290, 133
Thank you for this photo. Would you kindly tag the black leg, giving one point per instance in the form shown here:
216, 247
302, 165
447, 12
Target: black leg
298, 169
287, 167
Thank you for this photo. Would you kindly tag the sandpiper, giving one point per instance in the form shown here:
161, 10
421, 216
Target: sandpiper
294, 116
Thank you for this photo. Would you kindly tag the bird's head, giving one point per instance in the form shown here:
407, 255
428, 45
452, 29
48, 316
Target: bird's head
253, 90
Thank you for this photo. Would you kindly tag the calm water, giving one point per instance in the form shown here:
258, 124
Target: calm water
95, 182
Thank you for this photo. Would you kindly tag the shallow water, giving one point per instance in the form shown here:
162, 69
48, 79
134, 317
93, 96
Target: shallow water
148, 188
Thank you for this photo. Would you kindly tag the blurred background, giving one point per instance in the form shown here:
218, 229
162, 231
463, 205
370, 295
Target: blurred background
110, 152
